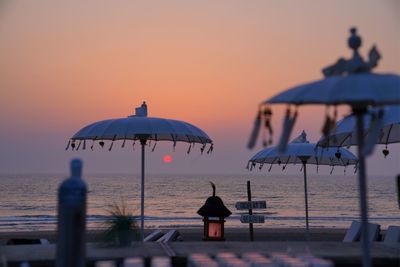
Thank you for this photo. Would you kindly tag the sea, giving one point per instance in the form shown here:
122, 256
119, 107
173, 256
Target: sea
28, 202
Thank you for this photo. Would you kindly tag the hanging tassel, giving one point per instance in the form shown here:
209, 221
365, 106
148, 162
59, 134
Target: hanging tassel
123, 143
301, 167
284, 166
375, 127
329, 124
287, 130
154, 147
174, 145
270, 167
338, 154
248, 165
253, 165
279, 161
202, 148
261, 166
79, 145
133, 145
268, 125
101, 143
69, 142
255, 132
332, 169
73, 144
348, 144
188, 151
91, 147
344, 170
210, 149
317, 168
385, 151
84, 145
112, 143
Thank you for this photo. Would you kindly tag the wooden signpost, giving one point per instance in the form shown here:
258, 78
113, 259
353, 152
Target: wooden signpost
250, 205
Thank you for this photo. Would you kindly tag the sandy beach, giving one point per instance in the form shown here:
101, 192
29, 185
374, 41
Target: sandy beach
324, 242
195, 234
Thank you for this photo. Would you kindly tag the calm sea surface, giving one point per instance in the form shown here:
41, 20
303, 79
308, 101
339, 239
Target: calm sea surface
29, 202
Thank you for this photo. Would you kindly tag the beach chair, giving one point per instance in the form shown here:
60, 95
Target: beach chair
105, 264
353, 233
154, 236
374, 231
392, 236
133, 262
172, 235
161, 262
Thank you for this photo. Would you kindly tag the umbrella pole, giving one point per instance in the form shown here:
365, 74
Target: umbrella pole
143, 144
362, 179
306, 198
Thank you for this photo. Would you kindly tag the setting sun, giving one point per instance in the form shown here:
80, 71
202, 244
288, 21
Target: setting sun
168, 159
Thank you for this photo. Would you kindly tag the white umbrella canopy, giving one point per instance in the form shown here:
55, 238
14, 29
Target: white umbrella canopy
347, 82
301, 151
360, 89
134, 128
140, 128
387, 119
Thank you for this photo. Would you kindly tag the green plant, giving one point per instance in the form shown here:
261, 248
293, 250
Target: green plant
121, 228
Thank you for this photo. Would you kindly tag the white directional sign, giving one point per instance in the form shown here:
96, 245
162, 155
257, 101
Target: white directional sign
245, 205
252, 218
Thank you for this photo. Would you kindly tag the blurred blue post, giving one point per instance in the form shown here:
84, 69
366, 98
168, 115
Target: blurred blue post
72, 219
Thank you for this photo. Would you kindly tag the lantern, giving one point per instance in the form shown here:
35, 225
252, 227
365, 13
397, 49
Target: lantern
214, 213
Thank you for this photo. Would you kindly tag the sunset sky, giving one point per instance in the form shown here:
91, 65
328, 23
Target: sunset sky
210, 63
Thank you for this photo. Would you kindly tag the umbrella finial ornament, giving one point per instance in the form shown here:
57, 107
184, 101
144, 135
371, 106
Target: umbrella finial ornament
142, 110
354, 41
356, 64
213, 187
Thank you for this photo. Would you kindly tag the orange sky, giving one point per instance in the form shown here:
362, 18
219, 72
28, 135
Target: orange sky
63, 65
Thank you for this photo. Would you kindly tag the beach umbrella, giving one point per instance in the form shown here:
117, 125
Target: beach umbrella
301, 151
381, 126
349, 82
142, 129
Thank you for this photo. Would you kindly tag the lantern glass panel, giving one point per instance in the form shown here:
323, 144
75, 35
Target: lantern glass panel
215, 229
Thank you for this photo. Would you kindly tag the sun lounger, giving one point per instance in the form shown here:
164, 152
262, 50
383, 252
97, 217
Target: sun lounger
353, 234
105, 264
392, 235
374, 231
155, 235
172, 235
28, 241
161, 262
133, 262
